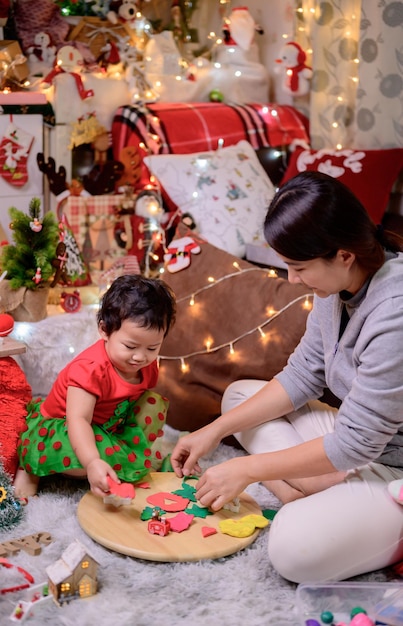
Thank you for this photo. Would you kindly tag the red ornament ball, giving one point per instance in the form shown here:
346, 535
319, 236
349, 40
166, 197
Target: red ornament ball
6, 324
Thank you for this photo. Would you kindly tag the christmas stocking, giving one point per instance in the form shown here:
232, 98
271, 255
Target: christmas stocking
178, 254
15, 147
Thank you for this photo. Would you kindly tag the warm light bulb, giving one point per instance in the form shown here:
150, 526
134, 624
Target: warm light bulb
211, 279
307, 304
237, 266
192, 301
270, 311
231, 349
261, 331
184, 366
208, 344
272, 273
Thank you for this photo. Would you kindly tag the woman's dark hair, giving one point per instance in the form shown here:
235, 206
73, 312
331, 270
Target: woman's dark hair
314, 215
149, 302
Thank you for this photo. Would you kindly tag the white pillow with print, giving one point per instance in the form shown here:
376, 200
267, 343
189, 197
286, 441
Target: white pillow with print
226, 191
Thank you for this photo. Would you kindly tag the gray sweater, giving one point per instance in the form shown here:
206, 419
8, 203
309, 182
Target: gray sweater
364, 369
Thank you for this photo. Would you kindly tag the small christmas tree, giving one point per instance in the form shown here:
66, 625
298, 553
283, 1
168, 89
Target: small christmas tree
11, 511
29, 261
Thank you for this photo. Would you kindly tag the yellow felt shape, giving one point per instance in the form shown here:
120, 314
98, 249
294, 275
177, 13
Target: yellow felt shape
236, 528
258, 520
243, 527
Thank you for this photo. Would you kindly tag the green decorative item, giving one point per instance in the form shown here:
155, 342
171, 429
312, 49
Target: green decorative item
28, 262
11, 511
216, 95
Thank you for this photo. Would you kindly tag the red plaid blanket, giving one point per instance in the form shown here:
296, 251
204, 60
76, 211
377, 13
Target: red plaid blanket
183, 128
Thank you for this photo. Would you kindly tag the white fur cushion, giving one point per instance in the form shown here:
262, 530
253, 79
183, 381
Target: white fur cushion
226, 191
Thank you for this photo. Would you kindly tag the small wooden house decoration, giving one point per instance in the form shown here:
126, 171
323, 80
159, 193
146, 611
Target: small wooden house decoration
74, 575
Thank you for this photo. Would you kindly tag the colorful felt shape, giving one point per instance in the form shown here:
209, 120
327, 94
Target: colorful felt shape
370, 174
236, 303
243, 527
226, 191
208, 531
180, 522
120, 493
199, 511
170, 502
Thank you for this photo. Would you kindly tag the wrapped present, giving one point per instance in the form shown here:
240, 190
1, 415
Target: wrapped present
96, 32
12, 62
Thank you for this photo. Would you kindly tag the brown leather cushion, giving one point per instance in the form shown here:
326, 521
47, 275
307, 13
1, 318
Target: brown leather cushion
226, 311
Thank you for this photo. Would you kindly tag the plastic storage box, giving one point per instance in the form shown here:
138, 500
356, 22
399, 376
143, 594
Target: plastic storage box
341, 598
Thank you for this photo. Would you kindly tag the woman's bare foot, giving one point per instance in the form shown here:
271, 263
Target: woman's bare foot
282, 490
288, 491
25, 485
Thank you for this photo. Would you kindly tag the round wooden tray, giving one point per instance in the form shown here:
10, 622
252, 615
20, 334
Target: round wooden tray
121, 529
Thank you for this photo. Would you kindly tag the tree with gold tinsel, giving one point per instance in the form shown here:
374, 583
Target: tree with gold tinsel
11, 511
28, 262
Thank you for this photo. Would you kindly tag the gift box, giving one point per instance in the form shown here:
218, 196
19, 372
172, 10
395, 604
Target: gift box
96, 31
11, 53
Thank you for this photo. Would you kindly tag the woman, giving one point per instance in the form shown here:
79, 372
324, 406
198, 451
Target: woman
330, 467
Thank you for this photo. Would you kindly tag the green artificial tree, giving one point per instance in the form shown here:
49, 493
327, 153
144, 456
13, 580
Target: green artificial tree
11, 511
28, 262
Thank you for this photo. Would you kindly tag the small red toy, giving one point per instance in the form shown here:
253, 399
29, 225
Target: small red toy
158, 525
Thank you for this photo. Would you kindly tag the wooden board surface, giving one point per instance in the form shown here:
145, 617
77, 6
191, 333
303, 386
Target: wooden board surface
10, 346
122, 530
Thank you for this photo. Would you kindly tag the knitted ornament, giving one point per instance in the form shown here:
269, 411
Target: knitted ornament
15, 394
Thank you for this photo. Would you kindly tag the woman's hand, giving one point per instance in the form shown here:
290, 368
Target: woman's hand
190, 448
97, 473
222, 483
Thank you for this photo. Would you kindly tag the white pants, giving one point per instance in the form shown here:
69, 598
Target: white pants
349, 529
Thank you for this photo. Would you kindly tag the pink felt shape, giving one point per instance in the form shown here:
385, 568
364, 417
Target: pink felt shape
207, 531
169, 502
122, 490
143, 485
180, 522
370, 174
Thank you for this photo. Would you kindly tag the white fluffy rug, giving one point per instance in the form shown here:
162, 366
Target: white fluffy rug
240, 590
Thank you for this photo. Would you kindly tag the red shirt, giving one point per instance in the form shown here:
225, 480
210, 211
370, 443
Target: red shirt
92, 371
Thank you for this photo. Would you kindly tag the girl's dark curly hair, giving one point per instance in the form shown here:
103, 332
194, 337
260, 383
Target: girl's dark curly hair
149, 302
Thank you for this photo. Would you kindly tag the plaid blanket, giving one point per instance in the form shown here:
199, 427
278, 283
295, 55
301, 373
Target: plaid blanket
183, 128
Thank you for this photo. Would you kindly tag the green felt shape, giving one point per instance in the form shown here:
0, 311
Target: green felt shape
191, 477
269, 513
166, 464
187, 491
146, 514
198, 511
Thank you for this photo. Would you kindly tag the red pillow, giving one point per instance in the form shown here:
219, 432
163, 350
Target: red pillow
370, 174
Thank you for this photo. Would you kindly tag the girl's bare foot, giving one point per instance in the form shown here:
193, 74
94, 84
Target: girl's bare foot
25, 485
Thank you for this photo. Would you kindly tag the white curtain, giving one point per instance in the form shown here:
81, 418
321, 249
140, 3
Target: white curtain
356, 53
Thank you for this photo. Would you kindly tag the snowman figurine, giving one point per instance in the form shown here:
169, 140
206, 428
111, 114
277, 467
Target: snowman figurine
291, 61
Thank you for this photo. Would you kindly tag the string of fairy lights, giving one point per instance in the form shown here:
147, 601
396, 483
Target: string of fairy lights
208, 347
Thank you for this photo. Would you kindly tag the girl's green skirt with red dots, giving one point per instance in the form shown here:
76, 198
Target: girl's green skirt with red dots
127, 441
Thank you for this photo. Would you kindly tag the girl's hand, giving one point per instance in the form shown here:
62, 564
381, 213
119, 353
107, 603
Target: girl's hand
222, 483
190, 448
97, 472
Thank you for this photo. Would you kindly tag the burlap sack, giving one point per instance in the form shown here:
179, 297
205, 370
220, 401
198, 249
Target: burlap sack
24, 305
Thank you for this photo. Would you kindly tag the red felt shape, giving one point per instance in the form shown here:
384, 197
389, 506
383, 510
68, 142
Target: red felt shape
207, 531
180, 522
123, 490
169, 502
370, 174
15, 393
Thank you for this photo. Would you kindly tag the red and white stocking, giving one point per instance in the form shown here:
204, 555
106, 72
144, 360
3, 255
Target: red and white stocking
15, 147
